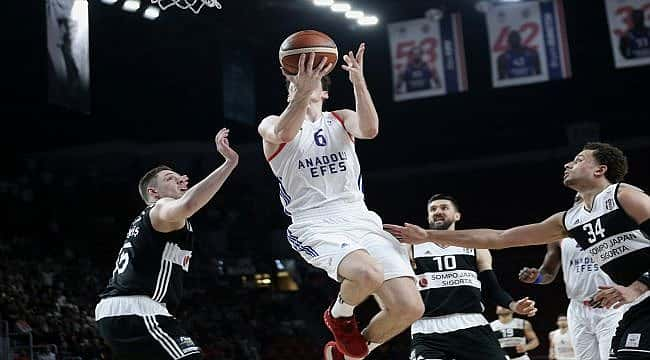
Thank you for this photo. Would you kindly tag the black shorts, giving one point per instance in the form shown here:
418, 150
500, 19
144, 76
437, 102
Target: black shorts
632, 339
466, 344
147, 337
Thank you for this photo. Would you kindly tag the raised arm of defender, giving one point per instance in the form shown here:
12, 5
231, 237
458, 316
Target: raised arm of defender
284, 128
545, 232
169, 214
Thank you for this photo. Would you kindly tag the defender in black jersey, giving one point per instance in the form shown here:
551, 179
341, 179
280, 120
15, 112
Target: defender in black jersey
611, 223
452, 281
134, 314
515, 335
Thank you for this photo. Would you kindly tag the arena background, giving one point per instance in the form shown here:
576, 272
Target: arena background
69, 179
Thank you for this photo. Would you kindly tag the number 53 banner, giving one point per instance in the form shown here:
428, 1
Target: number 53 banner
427, 57
628, 31
528, 42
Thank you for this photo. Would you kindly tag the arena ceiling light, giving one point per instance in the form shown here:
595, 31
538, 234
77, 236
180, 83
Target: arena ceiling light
340, 7
323, 2
131, 5
368, 20
109, 2
151, 13
346, 8
354, 14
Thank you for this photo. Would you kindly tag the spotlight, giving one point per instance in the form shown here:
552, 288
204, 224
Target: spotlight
354, 14
131, 5
151, 13
340, 7
368, 20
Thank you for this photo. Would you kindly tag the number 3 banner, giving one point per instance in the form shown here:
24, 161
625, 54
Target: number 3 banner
629, 32
528, 42
427, 57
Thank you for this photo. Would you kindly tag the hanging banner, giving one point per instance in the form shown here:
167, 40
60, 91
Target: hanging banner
427, 57
528, 42
67, 48
629, 31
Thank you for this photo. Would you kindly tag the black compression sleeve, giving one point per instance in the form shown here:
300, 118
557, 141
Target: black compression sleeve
493, 290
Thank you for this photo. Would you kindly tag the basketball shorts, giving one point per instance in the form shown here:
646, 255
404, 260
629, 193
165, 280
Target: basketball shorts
472, 343
324, 239
632, 338
592, 330
147, 337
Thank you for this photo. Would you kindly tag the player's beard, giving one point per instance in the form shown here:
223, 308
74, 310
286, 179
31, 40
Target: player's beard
440, 225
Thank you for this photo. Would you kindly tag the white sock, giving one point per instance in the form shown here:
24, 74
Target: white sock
341, 309
371, 346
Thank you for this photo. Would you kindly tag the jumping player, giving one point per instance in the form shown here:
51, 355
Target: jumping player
312, 154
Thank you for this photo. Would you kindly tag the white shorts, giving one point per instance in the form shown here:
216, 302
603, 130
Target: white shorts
324, 240
592, 330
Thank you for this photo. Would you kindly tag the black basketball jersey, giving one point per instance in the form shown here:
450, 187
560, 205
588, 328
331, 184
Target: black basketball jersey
447, 279
510, 335
610, 236
151, 263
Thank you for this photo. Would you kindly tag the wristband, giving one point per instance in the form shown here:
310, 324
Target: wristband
539, 278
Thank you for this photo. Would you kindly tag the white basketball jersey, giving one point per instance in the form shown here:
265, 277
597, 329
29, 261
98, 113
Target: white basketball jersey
610, 236
582, 274
319, 168
562, 345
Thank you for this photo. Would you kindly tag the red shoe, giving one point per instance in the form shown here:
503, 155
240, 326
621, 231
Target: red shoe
349, 340
330, 352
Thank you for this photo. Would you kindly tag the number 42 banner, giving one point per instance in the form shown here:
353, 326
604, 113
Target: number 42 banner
528, 42
427, 57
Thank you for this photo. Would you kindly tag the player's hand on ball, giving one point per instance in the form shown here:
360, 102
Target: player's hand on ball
524, 306
354, 64
308, 78
223, 146
528, 275
409, 233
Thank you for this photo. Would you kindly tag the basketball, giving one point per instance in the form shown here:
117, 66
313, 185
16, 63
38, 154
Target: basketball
305, 42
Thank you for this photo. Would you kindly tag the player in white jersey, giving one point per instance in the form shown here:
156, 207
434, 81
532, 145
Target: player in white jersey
560, 343
312, 154
612, 224
591, 327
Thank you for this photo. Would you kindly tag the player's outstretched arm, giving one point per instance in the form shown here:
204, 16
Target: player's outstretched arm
284, 128
491, 288
170, 211
548, 270
364, 123
545, 232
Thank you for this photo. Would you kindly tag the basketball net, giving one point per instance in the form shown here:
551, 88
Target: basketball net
194, 5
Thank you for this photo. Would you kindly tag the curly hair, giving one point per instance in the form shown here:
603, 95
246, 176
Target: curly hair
612, 157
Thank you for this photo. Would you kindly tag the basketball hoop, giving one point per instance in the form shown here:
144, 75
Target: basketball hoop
194, 5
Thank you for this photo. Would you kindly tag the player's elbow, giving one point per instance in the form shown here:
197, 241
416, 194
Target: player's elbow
370, 132
185, 208
497, 240
284, 135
